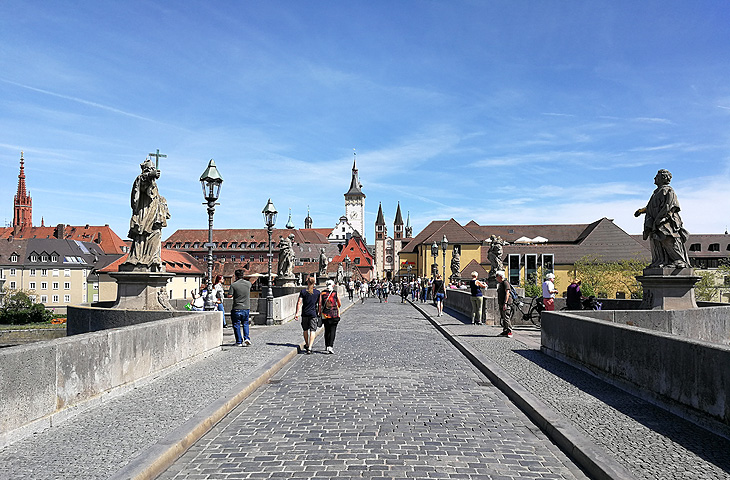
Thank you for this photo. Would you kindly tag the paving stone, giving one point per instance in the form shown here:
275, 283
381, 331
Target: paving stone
400, 399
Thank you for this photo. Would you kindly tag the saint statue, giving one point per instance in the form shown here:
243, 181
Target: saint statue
322, 263
495, 253
149, 215
286, 257
663, 225
455, 264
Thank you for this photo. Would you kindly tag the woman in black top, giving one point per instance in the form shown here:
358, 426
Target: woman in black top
439, 294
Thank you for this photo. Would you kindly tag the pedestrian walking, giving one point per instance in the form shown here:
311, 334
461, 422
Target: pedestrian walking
363, 291
439, 294
241, 310
477, 298
329, 308
350, 289
218, 293
307, 307
548, 292
386, 291
504, 300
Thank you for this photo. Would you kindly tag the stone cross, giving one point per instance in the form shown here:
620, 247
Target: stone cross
157, 156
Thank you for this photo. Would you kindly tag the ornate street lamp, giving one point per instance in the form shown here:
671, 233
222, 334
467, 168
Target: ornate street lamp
409, 268
270, 212
211, 182
444, 246
347, 264
435, 254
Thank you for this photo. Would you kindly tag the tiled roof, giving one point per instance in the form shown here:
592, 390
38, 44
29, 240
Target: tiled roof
717, 240
510, 233
473, 266
175, 261
247, 236
103, 235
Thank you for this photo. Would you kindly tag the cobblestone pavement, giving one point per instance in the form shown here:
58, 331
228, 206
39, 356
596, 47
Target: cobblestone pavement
649, 441
397, 400
100, 441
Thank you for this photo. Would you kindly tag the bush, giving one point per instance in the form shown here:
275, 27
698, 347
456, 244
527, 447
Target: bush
19, 309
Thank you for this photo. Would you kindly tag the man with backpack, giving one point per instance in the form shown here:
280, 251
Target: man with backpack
504, 300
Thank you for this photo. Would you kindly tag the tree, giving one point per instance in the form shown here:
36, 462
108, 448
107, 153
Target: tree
19, 309
533, 285
705, 288
600, 278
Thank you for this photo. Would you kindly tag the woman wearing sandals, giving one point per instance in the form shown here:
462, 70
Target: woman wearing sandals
329, 308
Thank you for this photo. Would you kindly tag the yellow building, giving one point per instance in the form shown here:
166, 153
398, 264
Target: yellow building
529, 249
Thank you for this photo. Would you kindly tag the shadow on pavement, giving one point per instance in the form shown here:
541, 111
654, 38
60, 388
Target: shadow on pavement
710, 446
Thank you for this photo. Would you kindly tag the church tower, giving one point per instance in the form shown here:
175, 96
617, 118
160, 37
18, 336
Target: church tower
409, 228
381, 237
22, 204
398, 225
308, 220
355, 203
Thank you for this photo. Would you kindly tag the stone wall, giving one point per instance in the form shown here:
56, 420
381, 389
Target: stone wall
666, 368
45, 382
460, 301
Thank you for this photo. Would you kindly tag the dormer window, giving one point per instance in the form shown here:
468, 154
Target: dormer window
54, 258
44, 258
14, 257
695, 247
714, 247
34, 258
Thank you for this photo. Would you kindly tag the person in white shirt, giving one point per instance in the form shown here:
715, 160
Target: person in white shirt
549, 292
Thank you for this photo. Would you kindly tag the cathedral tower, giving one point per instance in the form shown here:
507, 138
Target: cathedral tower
355, 203
22, 203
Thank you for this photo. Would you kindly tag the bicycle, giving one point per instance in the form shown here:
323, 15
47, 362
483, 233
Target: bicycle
530, 311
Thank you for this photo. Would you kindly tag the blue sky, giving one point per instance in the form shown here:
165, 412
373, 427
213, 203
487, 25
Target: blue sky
504, 112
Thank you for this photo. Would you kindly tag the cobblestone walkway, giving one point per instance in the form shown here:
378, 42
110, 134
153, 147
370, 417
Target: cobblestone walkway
395, 401
649, 441
100, 441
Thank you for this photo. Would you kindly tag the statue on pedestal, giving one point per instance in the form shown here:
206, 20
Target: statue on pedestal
322, 263
663, 225
455, 265
149, 215
286, 257
495, 254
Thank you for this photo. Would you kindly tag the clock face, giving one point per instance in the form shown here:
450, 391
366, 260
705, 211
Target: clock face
353, 214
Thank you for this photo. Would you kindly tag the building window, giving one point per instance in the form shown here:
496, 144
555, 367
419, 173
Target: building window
548, 260
357, 260
67, 272
14, 257
32, 272
233, 245
187, 244
531, 269
67, 299
44, 285
32, 298
12, 272
55, 299
31, 285
44, 272
177, 245
513, 264
44, 258
67, 285
261, 258
44, 298
34, 258
224, 244
56, 272
55, 285
714, 247
54, 258
196, 244
12, 285
695, 247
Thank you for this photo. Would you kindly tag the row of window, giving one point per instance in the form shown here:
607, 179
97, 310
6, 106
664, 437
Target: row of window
713, 247
44, 272
229, 245
54, 299
531, 263
44, 285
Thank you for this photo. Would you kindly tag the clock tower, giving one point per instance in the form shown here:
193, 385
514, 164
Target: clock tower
355, 203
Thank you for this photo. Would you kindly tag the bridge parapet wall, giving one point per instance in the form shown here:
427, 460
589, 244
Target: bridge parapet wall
680, 373
46, 382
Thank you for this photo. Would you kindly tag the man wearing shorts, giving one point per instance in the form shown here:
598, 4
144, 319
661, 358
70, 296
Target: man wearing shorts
307, 305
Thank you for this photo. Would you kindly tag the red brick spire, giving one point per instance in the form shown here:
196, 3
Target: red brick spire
23, 204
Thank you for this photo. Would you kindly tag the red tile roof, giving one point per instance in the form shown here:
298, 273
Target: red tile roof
104, 236
176, 262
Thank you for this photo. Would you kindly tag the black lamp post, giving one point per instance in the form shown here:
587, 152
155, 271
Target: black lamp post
347, 264
211, 182
444, 246
270, 212
409, 268
435, 254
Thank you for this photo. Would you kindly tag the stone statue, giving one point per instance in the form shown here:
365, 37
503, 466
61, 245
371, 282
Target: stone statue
322, 263
663, 225
340, 274
149, 215
456, 264
286, 257
495, 253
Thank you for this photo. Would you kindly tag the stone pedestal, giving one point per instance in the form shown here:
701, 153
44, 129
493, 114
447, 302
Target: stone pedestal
282, 281
668, 288
139, 290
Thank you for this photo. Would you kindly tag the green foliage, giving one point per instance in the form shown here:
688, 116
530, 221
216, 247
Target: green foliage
533, 286
601, 278
705, 288
19, 309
